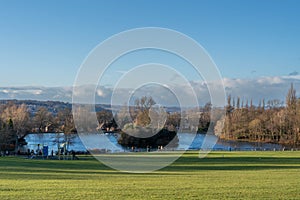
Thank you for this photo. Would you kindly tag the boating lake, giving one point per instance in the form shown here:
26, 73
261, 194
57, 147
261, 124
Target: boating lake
108, 143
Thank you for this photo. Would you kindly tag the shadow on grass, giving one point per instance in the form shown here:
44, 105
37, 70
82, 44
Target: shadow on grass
17, 168
234, 163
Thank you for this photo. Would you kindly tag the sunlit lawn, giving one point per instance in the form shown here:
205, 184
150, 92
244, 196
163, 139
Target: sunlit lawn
221, 175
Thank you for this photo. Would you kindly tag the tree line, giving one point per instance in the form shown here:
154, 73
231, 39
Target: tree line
16, 122
270, 121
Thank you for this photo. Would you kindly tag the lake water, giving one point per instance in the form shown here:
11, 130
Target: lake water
109, 142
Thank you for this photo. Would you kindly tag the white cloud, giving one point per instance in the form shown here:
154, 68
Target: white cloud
270, 80
255, 89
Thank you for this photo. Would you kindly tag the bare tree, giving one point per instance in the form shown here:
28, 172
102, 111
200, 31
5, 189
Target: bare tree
42, 119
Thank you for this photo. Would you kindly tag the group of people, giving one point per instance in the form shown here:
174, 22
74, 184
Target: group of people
4, 153
148, 149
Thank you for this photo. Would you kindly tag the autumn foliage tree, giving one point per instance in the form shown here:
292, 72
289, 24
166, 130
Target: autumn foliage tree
14, 125
271, 122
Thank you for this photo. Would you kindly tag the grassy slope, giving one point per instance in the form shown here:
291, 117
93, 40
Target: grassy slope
221, 175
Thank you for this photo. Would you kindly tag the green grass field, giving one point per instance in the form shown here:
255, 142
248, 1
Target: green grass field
221, 175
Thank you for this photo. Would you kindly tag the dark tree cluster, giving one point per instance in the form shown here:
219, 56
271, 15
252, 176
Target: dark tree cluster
162, 138
7, 136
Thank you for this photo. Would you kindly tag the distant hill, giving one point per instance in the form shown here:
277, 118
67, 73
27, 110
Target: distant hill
52, 106
55, 106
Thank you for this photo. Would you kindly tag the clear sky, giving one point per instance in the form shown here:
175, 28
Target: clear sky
43, 43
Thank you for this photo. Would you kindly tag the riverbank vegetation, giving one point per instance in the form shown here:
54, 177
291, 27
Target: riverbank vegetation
149, 128
270, 121
16, 122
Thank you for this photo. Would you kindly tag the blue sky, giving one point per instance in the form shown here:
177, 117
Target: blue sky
43, 43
